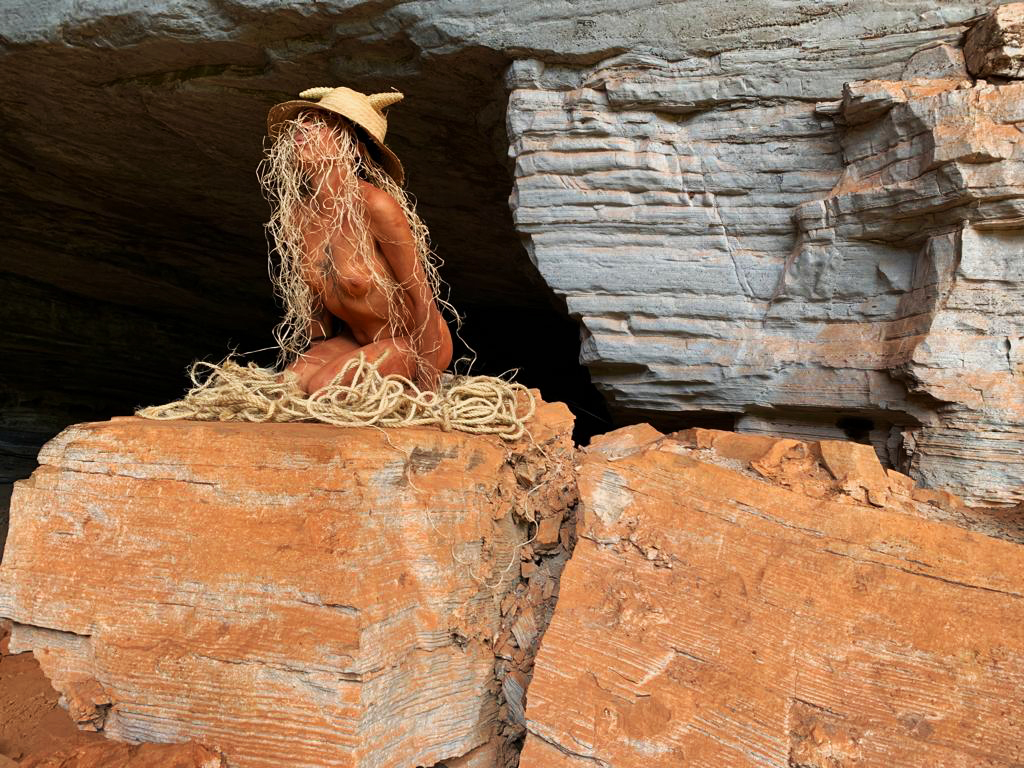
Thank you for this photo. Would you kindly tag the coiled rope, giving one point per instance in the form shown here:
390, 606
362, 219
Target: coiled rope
228, 391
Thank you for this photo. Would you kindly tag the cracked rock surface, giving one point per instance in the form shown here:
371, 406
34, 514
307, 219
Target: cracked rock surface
745, 600
296, 594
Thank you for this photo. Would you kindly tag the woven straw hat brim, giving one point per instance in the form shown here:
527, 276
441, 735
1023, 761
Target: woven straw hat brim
367, 118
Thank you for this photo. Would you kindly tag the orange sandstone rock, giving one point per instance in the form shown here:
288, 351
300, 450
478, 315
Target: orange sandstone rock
114, 754
293, 594
741, 601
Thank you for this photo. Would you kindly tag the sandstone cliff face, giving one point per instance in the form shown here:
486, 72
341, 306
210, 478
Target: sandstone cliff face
740, 600
793, 236
661, 151
296, 595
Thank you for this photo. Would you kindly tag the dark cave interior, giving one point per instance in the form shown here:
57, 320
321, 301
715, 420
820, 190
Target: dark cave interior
135, 242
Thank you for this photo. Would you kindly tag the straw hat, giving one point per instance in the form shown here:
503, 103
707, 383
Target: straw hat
361, 109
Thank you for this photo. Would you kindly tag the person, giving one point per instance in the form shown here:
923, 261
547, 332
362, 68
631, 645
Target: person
354, 268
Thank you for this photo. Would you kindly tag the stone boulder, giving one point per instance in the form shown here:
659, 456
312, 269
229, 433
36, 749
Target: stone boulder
292, 594
995, 46
741, 600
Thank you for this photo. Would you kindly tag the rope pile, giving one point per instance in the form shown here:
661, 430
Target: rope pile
228, 391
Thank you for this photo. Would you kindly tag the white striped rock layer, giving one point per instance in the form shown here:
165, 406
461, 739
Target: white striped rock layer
817, 237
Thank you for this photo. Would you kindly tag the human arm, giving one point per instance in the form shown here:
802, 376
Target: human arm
391, 230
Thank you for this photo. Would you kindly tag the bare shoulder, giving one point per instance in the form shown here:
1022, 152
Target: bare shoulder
381, 206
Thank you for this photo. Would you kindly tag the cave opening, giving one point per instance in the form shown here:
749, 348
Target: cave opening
135, 240
856, 429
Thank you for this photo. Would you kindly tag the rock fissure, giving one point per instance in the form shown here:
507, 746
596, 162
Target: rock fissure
589, 759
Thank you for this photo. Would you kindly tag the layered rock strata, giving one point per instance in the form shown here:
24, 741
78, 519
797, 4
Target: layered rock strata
814, 239
292, 594
933, 190
132, 230
744, 600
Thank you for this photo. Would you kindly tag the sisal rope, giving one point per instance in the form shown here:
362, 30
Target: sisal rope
479, 405
230, 391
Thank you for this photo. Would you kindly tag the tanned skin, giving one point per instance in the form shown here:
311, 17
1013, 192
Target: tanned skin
357, 317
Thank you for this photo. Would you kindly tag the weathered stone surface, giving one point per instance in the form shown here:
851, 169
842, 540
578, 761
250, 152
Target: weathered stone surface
995, 46
731, 603
935, 184
296, 595
110, 754
794, 238
132, 221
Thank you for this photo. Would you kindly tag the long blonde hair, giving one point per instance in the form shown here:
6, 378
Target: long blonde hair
296, 208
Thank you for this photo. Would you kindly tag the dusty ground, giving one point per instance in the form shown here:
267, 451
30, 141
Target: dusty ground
31, 720
36, 732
